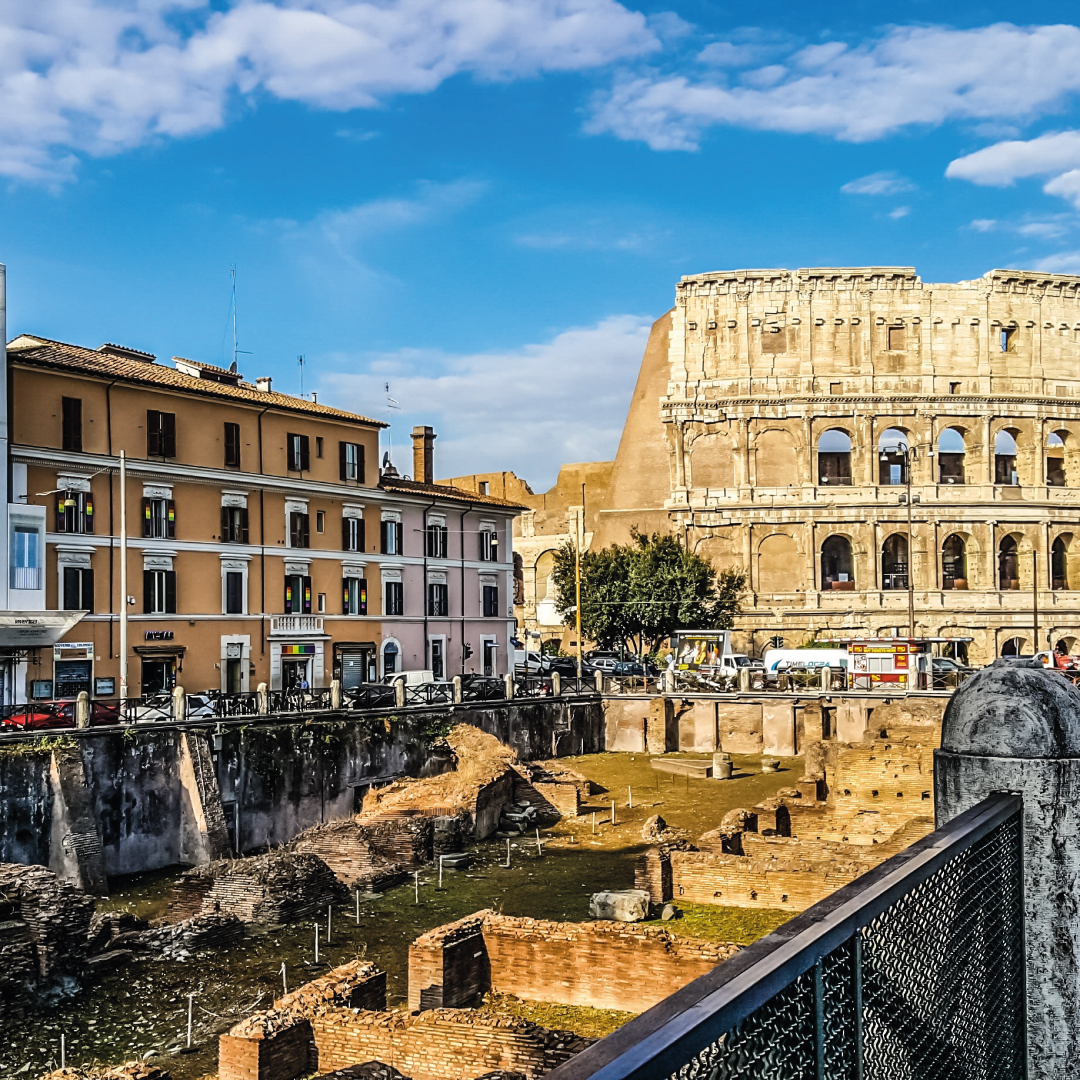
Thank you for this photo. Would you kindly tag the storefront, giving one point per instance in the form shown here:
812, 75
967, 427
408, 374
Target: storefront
355, 663
23, 637
161, 665
73, 669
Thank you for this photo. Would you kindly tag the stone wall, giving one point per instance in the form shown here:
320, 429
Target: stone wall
598, 965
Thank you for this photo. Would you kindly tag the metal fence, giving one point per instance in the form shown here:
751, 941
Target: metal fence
913, 972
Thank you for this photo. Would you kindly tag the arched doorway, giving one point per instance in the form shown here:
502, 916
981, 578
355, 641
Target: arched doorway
837, 564
1013, 647
834, 457
954, 563
1008, 564
1059, 564
894, 562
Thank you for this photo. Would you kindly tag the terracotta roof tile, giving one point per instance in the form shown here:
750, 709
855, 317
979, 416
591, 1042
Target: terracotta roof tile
414, 487
43, 352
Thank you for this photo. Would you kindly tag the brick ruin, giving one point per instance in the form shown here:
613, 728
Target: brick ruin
602, 965
856, 805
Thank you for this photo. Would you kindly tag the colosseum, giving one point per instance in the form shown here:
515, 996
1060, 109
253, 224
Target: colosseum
788, 422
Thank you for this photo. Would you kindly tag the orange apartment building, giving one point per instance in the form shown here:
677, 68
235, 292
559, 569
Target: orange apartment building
264, 542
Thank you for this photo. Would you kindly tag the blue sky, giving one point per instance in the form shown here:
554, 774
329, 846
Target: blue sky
486, 202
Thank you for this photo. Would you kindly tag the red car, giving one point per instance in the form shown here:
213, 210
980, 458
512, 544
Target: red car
43, 715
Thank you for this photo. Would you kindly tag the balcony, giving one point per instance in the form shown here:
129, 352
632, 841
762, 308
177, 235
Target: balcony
296, 626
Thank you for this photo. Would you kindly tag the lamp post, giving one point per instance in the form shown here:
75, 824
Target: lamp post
123, 581
908, 454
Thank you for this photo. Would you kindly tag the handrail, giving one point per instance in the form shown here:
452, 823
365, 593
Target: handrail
659, 1042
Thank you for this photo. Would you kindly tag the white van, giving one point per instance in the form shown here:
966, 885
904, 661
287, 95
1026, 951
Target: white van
410, 678
777, 660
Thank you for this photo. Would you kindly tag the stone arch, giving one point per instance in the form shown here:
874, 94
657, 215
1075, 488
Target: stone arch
775, 458
1065, 561
894, 561
712, 459
1006, 451
892, 454
778, 564
834, 457
954, 561
837, 563
1014, 646
1008, 575
720, 550
952, 455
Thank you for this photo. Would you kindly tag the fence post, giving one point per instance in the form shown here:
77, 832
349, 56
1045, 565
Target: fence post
82, 709
508, 680
744, 680
556, 684
1015, 726
826, 678
263, 694
179, 705
399, 693
456, 681
599, 676
335, 693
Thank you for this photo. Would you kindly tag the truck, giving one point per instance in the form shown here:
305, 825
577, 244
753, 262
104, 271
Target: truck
777, 660
707, 651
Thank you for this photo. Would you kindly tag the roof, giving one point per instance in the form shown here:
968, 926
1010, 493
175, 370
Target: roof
118, 363
445, 491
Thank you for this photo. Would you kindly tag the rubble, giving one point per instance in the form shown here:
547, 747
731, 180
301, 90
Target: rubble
369, 1070
657, 831
623, 905
129, 1070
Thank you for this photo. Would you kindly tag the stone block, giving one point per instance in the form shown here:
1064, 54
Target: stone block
622, 905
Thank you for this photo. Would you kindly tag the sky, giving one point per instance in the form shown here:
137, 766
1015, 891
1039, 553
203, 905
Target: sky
484, 204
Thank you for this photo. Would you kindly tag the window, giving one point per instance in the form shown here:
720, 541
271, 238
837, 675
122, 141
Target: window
72, 423
1055, 459
159, 518
320, 520
232, 446
322, 603
75, 512
1005, 458
836, 388
395, 599
951, 450
390, 657
354, 596
485, 487
437, 651
351, 461
896, 338
894, 562
954, 388
954, 563
160, 434
234, 592
392, 536
299, 530
1008, 564
834, 457
489, 545
298, 452
438, 598
234, 524
435, 541
892, 457
352, 534
159, 592
78, 588
297, 594
318, 446
837, 564
491, 601
1008, 338
25, 558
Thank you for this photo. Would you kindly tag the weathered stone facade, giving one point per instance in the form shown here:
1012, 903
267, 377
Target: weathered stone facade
757, 429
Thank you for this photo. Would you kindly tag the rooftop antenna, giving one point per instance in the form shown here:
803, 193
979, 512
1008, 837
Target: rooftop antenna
391, 403
236, 351
300, 362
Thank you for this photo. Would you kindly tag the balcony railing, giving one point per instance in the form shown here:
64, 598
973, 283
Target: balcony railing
296, 624
25, 577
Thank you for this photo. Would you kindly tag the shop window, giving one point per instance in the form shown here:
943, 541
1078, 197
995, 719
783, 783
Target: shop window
395, 598
75, 512
351, 461
159, 518
299, 452
160, 434
159, 592
234, 524
834, 458
232, 445
951, 453
352, 534
894, 562
354, 596
71, 409
78, 585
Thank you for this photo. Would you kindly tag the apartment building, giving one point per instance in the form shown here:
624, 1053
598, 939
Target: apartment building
265, 544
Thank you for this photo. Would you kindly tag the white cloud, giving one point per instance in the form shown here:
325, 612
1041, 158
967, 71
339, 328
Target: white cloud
1055, 154
528, 409
1064, 262
101, 76
879, 183
900, 212
909, 75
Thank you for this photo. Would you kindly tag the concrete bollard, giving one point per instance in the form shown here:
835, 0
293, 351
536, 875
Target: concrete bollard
722, 766
262, 692
82, 710
744, 680
599, 676
556, 685
335, 694
399, 693
826, 678
179, 705
1014, 727
508, 682
456, 683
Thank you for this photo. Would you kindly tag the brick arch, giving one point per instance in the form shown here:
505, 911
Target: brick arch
776, 458
779, 564
712, 460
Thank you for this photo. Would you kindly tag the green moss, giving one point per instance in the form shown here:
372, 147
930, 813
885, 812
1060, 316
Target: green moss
589, 1023
739, 925
37, 748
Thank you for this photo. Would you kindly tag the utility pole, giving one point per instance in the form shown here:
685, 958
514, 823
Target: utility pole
910, 457
1035, 597
123, 580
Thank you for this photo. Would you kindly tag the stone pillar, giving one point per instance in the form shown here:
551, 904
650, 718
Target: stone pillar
82, 710
508, 682
660, 720
556, 684
263, 694
179, 705
335, 694
1015, 727
399, 693
456, 683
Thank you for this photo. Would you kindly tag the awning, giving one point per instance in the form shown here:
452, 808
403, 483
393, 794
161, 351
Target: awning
33, 629
160, 650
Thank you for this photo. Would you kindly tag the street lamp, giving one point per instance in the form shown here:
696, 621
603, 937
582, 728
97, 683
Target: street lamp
908, 454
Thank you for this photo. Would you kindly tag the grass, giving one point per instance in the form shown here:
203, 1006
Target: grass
739, 925
581, 1020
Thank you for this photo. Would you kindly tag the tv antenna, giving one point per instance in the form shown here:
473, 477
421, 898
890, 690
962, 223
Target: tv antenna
300, 363
391, 403
236, 350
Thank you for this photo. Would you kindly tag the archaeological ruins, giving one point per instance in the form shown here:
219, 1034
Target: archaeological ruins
780, 419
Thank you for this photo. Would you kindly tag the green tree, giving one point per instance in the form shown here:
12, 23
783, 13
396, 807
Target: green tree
636, 594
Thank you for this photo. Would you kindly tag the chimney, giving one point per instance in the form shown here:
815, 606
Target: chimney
263, 384
423, 453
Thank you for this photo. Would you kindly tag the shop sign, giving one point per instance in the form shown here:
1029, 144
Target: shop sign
158, 635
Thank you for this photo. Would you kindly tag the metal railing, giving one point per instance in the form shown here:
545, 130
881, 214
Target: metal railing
369, 696
532, 686
915, 971
296, 700
484, 689
223, 706
572, 686
436, 693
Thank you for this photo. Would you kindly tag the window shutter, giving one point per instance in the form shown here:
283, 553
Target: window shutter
398, 536
305, 530
346, 535
444, 533
307, 596
170, 591
87, 598
60, 522
288, 594
361, 600
305, 453
88, 514
168, 434
71, 588
170, 519
343, 464
360, 463
226, 524
153, 433
360, 545
147, 591
483, 545
345, 596
243, 525
385, 537
146, 511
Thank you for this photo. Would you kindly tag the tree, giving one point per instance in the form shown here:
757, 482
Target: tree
637, 594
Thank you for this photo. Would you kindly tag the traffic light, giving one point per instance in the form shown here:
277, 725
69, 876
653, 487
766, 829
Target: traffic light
776, 641
466, 651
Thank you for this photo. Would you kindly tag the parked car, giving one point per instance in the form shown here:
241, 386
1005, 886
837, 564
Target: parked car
949, 673
606, 664
566, 666
43, 715
635, 667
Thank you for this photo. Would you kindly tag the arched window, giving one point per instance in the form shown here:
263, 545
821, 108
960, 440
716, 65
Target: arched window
954, 563
1013, 647
837, 565
1008, 564
390, 654
1059, 563
951, 450
894, 562
834, 457
1055, 459
955, 649
892, 457
1005, 457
